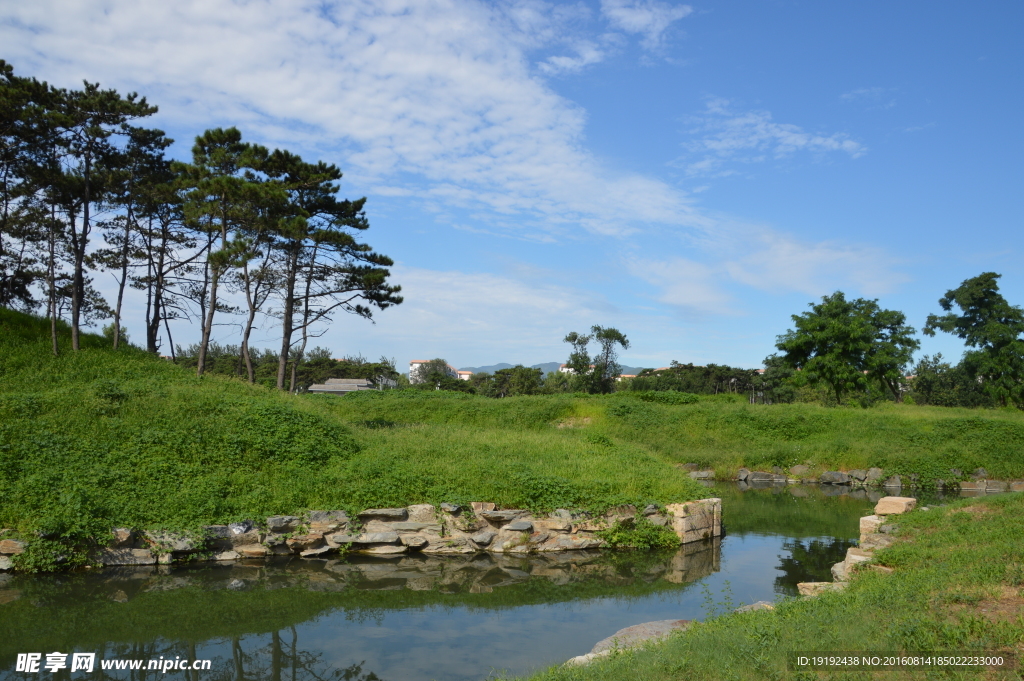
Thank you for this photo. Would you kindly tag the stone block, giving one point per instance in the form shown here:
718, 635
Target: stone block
696, 520
873, 475
337, 539
126, 557
997, 486
283, 524
520, 526
303, 542
895, 505
173, 541
742, 474
869, 524
553, 525
6, 563
856, 555
1017, 486
384, 514
252, 551
973, 486
633, 636
226, 555
858, 474
423, 513
245, 539
414, 541
483, 538
702, 475
870, 542
895, 482
840, 572
384, 549
9, 547
799, 471
834, 478
320, 551
122, 537
815, 588
377, 538
480, 506
501, 517
451, 508
406, 526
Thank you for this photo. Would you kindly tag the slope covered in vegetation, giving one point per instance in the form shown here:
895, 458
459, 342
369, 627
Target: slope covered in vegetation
99, 438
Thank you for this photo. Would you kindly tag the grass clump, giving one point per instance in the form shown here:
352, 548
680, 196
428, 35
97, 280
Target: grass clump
957, 587
640, 533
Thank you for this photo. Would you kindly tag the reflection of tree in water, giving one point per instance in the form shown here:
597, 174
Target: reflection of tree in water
809, 560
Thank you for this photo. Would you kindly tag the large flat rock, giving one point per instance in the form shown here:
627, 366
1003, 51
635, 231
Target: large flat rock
895, 505
638, 633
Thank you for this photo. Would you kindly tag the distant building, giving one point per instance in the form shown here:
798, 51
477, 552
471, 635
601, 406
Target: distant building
449, 371
564, 368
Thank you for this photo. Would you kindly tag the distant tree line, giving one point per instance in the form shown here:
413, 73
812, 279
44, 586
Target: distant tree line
239, 220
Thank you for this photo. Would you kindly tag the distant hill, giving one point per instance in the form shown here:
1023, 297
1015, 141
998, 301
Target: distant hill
546, 367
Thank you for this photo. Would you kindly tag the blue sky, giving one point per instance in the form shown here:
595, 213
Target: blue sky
692, 174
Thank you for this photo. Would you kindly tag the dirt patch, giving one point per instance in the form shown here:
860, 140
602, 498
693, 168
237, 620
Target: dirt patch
974, 511
1008, 606
574, 422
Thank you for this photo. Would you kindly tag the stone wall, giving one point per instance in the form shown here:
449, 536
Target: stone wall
420, 528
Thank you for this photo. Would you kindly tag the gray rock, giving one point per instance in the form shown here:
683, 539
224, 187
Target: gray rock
217, 531
282, 524
339, 538
760, 605
979, 474
377, 538
123, 537
887, 529
703, 475
956, 472
561, 513
859, 474
894, 482
414, 541
314, 553
659, 520
241, 527
451, 508
997, 486
238, 585
226, 555
798, 471
172, 541
840, 572
742, 474
760, 476
500, 516
6, 563
385, 513
633, 636
650, 509
414, 527
873, 475
483, 538
834, 478
520, 526
126, 557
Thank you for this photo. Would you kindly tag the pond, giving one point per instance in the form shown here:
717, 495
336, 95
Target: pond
420, 618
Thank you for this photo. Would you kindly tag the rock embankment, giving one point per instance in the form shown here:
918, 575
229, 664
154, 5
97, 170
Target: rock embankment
874, 534
420, 528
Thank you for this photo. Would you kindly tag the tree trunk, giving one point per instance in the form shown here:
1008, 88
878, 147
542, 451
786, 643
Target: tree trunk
78, 282
124, 278
288, 315
214, 280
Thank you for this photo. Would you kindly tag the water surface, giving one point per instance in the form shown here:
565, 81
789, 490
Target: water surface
418, 618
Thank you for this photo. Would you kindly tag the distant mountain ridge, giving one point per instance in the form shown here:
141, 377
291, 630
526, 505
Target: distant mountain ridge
546, 367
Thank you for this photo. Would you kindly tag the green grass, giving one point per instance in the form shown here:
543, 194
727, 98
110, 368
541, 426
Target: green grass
98, 438
957, 587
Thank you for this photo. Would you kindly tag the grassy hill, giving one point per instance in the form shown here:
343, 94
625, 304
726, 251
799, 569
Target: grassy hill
99, 438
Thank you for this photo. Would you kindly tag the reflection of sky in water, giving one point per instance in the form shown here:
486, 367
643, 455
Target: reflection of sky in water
456, 643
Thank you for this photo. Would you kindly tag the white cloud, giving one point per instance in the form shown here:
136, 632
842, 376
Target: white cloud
877, 97
649, 18
440, 92
725, 136
686, 285
777, 262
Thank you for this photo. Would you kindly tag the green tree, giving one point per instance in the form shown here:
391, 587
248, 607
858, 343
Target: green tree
517, 380
597, 374
846, 343
941, 384
430, 371
990, 324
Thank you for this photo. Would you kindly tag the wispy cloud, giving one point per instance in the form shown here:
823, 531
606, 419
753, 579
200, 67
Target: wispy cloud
875, 97
686, 285
649, 18
724, 135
